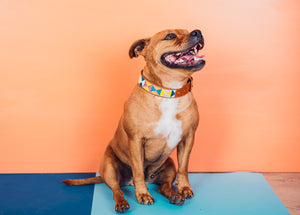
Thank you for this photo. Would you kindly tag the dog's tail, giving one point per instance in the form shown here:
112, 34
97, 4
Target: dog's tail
93, 180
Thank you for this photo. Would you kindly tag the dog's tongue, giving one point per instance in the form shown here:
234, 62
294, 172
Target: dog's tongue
188, 60
170, 59
185, 58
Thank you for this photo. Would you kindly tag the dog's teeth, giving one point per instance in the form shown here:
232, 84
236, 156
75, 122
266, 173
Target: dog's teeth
179, 61
178, 54
192, 52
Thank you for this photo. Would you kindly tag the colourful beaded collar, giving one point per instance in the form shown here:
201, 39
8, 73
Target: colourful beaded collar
164, 92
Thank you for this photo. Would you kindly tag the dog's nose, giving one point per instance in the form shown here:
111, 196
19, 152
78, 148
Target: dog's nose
196, 33
196, 36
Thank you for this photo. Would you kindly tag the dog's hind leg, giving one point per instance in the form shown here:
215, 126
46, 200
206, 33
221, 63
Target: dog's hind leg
110, 171
165, 179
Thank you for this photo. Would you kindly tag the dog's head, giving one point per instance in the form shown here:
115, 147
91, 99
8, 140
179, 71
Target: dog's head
171, 50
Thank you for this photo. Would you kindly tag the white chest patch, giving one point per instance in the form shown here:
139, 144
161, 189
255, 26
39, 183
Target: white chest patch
168, 125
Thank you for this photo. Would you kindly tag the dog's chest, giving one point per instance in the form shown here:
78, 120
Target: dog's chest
168, 125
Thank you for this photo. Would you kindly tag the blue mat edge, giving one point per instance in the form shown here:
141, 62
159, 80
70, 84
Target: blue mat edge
279, 204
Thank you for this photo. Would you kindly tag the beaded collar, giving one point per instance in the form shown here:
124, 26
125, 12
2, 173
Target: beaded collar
164, 92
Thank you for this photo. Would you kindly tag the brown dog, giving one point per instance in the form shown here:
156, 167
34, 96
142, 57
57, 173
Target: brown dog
160, 115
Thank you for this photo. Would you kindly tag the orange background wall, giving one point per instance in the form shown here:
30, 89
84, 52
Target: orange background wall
65, 74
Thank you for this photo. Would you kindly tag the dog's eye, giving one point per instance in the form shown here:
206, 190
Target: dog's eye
170, 36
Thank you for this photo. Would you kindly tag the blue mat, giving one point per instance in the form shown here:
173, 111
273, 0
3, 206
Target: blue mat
30, 194
216, 193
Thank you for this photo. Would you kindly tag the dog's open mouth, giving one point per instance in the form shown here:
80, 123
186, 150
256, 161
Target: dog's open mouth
184, 59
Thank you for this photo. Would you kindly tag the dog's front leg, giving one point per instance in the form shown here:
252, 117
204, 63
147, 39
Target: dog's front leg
136, 149
183, 154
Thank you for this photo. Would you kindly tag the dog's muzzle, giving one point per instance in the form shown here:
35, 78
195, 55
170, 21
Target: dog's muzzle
187, 59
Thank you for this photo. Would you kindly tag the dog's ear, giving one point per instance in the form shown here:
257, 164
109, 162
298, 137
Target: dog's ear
137, 47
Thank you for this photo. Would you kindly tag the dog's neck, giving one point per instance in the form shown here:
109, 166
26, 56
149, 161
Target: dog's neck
160, 91
165, 80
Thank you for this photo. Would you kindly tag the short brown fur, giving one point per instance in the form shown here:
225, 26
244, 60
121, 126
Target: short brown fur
136, 155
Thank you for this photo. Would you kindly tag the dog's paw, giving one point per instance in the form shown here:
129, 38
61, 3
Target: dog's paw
122, 206
176, 199
145, 199
186, 192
